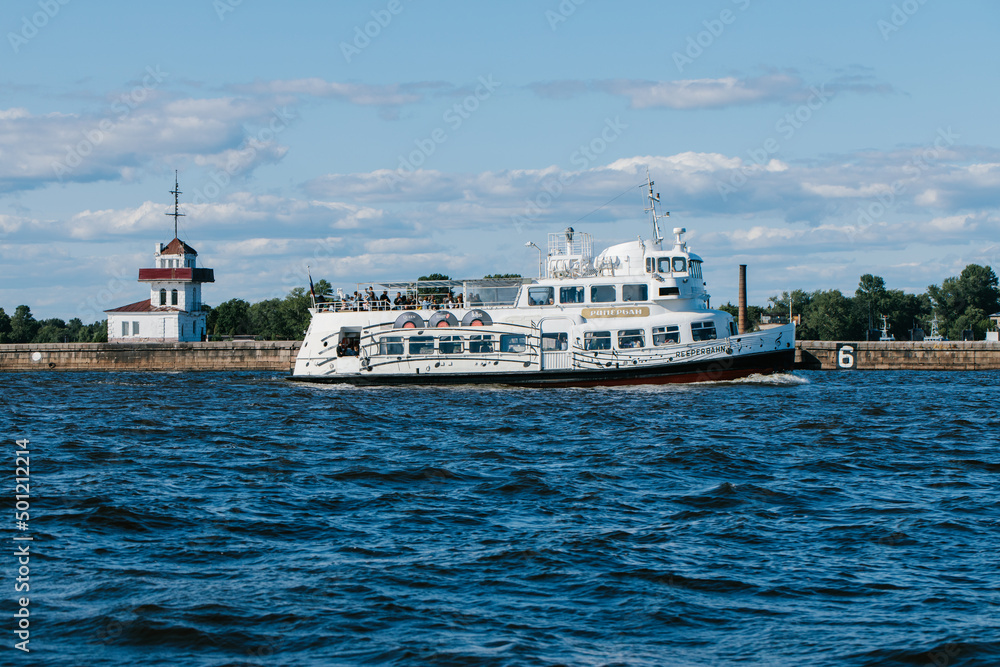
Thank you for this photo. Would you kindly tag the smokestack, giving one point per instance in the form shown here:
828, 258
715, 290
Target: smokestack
743, 322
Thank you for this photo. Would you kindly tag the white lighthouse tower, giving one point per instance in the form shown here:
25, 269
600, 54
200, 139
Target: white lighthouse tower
172, 313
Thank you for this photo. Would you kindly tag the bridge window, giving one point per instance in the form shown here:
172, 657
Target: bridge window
602, 294
694, 268
635, 292
679, 265
732, 329
631, 338
664, 265
597, 340
515, 343
571, 294
390, 345
540, 296
451, 345
703, 330
421, 345
650, 265
669, 335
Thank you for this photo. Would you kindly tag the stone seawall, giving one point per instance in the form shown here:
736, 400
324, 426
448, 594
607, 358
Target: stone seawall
925, 355
227, 356
280, 356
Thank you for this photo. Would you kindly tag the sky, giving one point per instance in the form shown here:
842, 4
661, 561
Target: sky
387, 139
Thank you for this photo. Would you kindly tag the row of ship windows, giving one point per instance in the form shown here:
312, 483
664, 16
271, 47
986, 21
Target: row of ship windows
673, 265
545, 296
628, 339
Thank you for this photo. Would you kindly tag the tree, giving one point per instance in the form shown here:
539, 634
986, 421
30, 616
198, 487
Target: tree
294, 312
267, 320
23, 326
830, 316
966, 302
870, 299
502, 276
4, 327
232, 318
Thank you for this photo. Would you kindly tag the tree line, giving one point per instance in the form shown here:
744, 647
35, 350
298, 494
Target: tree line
961, 303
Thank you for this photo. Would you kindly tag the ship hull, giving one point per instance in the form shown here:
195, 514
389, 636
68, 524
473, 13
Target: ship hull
712, 370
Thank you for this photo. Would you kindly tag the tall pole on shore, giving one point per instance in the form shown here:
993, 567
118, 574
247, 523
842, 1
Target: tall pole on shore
743, 323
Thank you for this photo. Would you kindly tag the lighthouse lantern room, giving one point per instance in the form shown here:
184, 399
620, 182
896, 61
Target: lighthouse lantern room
173, 312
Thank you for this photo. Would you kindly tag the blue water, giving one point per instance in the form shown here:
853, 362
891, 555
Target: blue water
239, 519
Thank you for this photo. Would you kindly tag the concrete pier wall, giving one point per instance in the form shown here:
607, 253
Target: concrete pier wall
227, 356
925, 355
280, 356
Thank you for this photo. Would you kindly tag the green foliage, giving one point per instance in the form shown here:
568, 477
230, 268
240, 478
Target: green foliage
232, 318
966, 301
5, 329
503, 276
23, 326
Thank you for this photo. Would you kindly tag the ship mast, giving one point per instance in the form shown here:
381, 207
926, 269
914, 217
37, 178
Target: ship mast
176, 214
653, 201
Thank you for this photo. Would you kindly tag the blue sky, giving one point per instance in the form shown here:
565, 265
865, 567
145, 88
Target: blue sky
812, 141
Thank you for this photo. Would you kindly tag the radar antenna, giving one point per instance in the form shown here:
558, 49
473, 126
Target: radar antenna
654, 199
176, 214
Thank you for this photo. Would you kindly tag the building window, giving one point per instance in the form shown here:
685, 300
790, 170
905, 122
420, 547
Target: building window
670, 335
602, 294
135, 328
173, 297
597, 340
635, 292
703, 330
124, 329
631, 338
163, 297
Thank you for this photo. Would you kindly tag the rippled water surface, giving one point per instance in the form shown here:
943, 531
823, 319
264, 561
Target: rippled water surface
239, 519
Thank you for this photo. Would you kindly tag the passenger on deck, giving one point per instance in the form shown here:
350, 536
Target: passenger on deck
384, 301
399, 301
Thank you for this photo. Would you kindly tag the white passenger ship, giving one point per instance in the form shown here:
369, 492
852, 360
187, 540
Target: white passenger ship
637, 313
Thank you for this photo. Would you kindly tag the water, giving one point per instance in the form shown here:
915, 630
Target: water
238, 519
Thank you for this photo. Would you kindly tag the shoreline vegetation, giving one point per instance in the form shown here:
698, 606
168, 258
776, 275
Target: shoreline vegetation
962, 304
